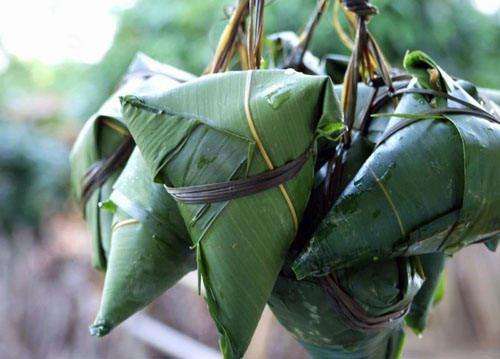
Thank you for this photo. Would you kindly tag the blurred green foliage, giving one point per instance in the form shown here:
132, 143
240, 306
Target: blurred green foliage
57, 99
33, 176
185, 33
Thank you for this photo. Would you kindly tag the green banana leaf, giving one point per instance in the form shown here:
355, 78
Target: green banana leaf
491, 100
490, 94
101, 137
335, 66
149, 246
366, 131
200, 133
426, 188
365, 135
305, 309
431, 292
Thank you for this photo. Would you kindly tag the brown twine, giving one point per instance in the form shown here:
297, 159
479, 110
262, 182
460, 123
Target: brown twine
365, 58
227, 41
100, 171
354, 315
366, 55
470, 109
255, 33
361, 8
225, 191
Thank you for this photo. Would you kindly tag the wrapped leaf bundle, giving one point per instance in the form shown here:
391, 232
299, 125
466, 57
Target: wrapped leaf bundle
104, 146
364, 136
360, 313
424, 189
236, 151
358, 316
149, 246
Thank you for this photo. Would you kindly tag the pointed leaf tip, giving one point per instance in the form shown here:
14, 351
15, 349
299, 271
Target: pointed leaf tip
99, 329
418, 59
416, 324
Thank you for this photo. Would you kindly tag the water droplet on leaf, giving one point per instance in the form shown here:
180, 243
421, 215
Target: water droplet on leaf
277, 95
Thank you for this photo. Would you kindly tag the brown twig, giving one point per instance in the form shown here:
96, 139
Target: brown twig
227, 40
300, 49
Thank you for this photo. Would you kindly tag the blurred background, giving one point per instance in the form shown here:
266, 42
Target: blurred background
60, 59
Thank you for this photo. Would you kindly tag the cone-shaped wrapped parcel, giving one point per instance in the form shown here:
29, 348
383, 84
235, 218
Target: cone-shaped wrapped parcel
311, 312
364, 136
149, 246
310, 309
429, 186
104, 146
230, 127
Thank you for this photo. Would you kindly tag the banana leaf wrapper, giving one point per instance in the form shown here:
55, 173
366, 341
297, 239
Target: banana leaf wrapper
227, 127
149, 246
279, 49
335, 66
389, 347
104, 145
491, 101
86, 155
431, 292
491, 95
366, 129
424, 189
307, 311
365, 135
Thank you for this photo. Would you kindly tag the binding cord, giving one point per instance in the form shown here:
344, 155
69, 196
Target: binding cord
366, 63
100, 171
366, 59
